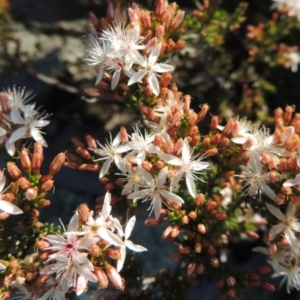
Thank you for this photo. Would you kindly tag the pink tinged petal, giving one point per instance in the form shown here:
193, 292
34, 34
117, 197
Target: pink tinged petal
269, 192
121, 261
110, 237
105, 167
86, 243
129, 227
170, 159
275, 211
100, 74
37, 136
74, 223
10, 148
191, 185
87, 274
252, 190
156, 202
137, 77
162, 176
275, 230
171, 196
137, 248
55, 239
10, 208
153, 82
292, 182
20, 133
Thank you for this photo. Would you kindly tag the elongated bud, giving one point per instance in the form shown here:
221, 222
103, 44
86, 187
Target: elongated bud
101, 277
13, 170
83, 152
191, 268
214, 123
47, 186
83, 212
25, 160
57, 162
176, 22
114, 276
113, 253
267, 286
288, 113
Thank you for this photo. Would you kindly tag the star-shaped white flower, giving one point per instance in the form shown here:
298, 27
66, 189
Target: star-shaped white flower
149, 67
110, 152
155, 190
127, 243
188, 165
288, 223
255, 181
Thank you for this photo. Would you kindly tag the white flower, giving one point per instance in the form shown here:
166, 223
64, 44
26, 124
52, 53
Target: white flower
69, 268
104, 225
159, 128
31, 125
255, 181
140, 145
149, 67
6, 206
227, 196
288, 223
291, 273
154, 190
172, 101
188, 165
25, 293
135, 178
294, 57
97, 55
110, 152
72, 243
127, 243
293, 5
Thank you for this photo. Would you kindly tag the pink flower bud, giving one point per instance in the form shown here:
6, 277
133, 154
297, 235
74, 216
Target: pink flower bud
287, 134
101, 277
177, 20
114, 276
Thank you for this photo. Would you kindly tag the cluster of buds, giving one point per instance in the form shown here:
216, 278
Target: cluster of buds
18, 119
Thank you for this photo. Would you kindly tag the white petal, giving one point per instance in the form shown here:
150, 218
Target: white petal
137, 77
163, 67
121, 261
138, 194
20, 133
191, 185
100, 74
275, 230
16, 117
186, 153
153, 82
137, 248
239, 139
37, 136
129, 227
170, 159
269, 192
115, 79
10, 148
106, 209
171, 196
292, 182
74, 223
10, 208
156, 206
105, 167
87, 274
275, 211
110, 237
2, 182
154, 53
162, 176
